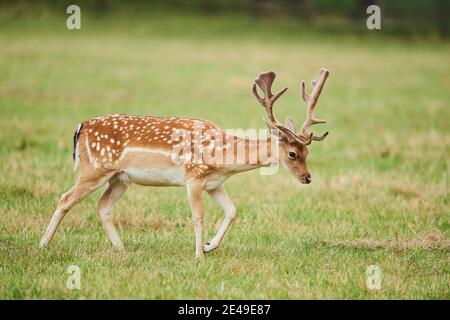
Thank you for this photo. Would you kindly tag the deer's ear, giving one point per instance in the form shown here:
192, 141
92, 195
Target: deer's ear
290, 124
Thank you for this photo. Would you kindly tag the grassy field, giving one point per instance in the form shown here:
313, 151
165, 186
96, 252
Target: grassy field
380, 191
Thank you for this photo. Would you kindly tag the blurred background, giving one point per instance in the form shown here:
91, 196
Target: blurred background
402, 17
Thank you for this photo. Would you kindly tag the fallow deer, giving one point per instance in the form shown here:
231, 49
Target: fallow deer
118, 150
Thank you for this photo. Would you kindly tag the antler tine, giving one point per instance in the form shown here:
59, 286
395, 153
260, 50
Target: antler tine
264, 82
311, 137
305, 96
319, 138
311, 101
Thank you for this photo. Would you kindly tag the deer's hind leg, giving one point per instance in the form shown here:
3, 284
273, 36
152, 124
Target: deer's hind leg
88, 182
117, 187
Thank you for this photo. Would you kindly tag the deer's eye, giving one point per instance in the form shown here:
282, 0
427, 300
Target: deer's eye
292, 155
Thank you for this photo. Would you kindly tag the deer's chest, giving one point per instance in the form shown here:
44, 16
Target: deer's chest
214, 182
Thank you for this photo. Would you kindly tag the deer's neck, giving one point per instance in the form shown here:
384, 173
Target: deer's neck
250, 154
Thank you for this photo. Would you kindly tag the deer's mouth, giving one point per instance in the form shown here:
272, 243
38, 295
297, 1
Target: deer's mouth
305, 180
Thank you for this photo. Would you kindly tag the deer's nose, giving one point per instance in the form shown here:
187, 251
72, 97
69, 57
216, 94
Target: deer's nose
308, 178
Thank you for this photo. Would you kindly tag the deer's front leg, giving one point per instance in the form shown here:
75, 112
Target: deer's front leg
195, 190
221, 197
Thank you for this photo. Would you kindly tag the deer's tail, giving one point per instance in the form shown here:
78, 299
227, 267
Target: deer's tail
75, 146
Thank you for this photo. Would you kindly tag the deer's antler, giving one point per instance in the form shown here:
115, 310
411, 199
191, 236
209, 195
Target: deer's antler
264, 82
311, 101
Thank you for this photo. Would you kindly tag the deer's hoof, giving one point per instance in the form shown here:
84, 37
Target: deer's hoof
199, 256
209, 247
119, 247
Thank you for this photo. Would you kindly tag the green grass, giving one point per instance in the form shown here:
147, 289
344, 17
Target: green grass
380, 181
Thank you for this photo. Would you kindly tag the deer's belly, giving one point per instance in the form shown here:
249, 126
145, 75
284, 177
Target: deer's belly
173, 176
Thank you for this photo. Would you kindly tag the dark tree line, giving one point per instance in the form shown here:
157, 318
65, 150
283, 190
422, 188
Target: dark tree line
406, 15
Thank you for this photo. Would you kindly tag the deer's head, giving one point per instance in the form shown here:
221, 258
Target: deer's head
293, 144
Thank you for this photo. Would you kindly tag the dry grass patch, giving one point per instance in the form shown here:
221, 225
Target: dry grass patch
433, 241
